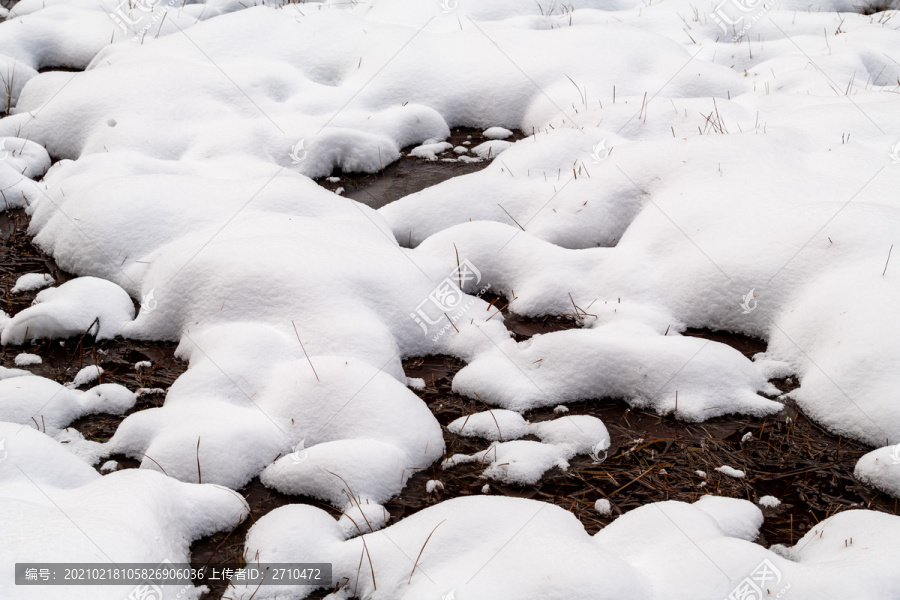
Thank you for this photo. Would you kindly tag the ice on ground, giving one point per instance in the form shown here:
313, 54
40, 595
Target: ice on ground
433, 485
497, 133
769, 502
32, 281
83, 305
109, 466
143, 365
56, 507
416, 383
880, 468
24, 359
30, 400
731, 472
86, 375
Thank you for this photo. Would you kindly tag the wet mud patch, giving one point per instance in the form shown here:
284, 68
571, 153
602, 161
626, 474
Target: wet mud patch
654, 458
411, 174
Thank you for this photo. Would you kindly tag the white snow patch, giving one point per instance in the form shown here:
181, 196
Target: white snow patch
497, 133
86, 375
25, 359
769, 502
32, 281
731, 472
603, 507
82, 305
880, 468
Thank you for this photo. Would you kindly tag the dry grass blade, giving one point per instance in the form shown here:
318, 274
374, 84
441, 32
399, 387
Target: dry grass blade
416, 564
304, 351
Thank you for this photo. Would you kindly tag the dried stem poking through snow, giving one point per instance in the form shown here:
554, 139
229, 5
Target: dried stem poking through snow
304, 351
416, 564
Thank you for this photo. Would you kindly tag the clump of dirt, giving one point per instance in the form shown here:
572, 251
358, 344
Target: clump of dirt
411, 174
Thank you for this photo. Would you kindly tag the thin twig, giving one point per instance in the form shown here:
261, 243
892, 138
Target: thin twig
304, 351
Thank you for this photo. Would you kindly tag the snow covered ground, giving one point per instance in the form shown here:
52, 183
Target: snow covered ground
726, 165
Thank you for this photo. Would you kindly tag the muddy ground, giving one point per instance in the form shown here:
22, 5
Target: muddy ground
652, 458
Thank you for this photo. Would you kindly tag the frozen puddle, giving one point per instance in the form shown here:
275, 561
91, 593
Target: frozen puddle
674, 182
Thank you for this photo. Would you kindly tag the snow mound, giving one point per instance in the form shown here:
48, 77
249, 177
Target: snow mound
20, 162
82, 305
126, 516
86, 375
603, 507
711, 379
489, 150
731, 472
880, 468
364, 432
32, 281
495, 547
25, 360
490, 425
497, 133
30, 400
525, 462
769, 502
430, 151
